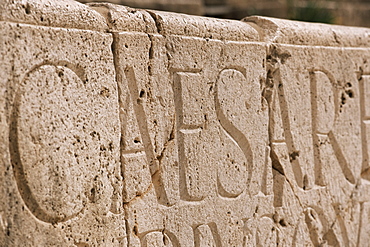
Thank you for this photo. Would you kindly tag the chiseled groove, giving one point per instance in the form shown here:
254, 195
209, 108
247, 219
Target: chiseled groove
341, 159
215, 234
287, 129
342, 226
19, 174
154, 168
15, 157
236, 135
141, 117
276, 164
315, 140
178, 101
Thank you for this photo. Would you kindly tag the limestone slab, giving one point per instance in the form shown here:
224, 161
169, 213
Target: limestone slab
61, 182
61, 13
197, 111
122, 18
316, 88
146, 128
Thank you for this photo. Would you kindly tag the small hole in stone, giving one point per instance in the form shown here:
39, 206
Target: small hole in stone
282, 222
104, 92
28, 9
142, 93
343, 99
293, 156
350, 93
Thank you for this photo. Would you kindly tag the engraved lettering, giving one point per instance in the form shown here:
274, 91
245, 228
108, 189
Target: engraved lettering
50, 142
194, 182
231, 104
325, 107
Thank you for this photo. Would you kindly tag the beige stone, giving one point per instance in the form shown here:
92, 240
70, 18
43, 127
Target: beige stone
193, 7
317, 93
61, 13
304, 33
146, 128
183, 83
60, 172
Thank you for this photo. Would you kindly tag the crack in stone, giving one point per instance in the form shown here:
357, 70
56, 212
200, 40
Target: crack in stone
118, 71
274, 58
158, 22
171, 138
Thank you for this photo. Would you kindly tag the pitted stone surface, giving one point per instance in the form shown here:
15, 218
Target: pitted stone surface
60, 173
147, 128
316, 93
61, 13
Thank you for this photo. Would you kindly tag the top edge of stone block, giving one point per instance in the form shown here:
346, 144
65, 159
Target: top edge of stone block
203, 27
61, 13
125, 19
122, 19
307, 33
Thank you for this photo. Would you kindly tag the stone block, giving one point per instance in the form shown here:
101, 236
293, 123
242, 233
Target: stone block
201, 124
61, 13
60, 171
317, 92
146, 128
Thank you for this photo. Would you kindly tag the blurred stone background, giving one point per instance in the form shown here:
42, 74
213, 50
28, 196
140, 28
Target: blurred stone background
342, 12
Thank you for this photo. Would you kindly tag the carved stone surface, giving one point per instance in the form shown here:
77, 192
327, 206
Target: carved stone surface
60, 176
146, 128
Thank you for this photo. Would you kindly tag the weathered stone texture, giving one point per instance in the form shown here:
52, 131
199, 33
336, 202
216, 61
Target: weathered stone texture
147, 128
193, 7
316, 90
60, 167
